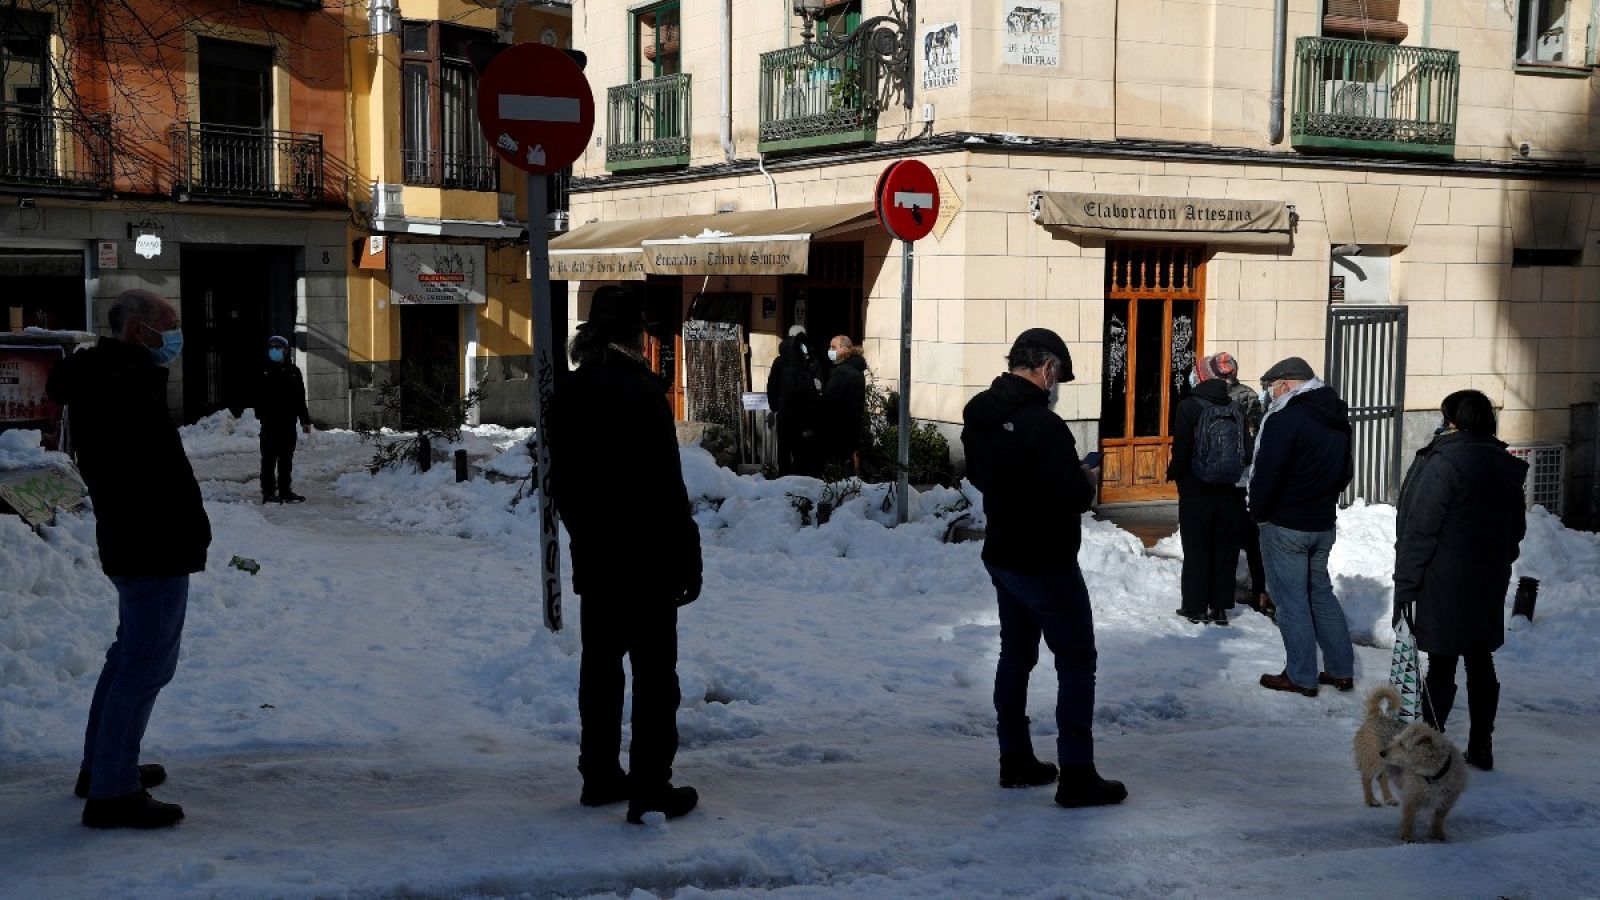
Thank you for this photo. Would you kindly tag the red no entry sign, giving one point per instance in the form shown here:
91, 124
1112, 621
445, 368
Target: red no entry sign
536, 108
908, 200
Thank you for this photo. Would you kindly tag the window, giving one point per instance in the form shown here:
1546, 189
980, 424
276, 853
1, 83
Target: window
1542, 31
441, 142
24, 74
657, 42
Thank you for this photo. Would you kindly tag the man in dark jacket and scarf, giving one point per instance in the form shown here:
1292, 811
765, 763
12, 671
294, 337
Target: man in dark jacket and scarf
152, 530
844, 404
617, 481
280, 403
1208, 518
1303, 461
1023, 458
1460, 522
792, 391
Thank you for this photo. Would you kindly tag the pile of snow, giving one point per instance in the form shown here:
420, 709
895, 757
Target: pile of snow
23, 448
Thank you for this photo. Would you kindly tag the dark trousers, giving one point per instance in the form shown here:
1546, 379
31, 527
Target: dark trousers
1250, 540
796, 454
277, 458
1208, 526
1483, 693
1054, 605
141, 661
647, 633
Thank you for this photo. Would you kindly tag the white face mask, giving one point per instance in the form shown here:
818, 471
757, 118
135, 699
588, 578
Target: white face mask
833, 355
1055, 393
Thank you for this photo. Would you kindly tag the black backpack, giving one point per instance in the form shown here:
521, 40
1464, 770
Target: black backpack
1219, 444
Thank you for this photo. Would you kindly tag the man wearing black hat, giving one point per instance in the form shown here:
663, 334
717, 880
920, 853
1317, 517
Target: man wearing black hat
617, 481
280, 403
1024, 459
1303, 461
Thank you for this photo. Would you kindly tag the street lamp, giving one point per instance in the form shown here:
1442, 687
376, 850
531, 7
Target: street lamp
886, 40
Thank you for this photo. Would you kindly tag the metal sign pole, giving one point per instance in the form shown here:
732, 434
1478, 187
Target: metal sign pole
903, 476
544, 368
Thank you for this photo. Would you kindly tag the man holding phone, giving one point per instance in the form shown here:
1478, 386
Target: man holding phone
1035, 489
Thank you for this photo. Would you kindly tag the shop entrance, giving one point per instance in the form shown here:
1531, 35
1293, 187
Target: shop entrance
234, 298
827, 300
663, 335
429, 370
1153, 320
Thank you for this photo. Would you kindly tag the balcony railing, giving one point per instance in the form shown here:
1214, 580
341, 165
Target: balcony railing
1383, 98
806, 103
647, 124
51, 150
455, 171
237, 163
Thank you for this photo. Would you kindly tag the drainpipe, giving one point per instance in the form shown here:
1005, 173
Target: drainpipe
727, 81
1280, 27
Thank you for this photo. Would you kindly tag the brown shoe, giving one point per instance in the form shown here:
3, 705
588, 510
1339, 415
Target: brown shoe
1281, 682
1344, 685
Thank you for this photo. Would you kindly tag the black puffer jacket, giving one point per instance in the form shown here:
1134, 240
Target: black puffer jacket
617, 480
1460, 521
1207, 393
149, 518
1303, 463
281, 395
1023, 458
792, 388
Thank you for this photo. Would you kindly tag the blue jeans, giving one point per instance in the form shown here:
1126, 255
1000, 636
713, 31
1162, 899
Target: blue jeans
1309, 615
1054, 605
150, 613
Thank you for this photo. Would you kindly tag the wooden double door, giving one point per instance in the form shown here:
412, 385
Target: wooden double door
1153, 333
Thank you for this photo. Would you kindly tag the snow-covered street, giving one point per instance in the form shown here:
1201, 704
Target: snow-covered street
380, 712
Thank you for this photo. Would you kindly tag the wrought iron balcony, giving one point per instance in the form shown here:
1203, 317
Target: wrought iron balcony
647, 123
454, 171
806, 103
229, 162
53, 151
1377, 98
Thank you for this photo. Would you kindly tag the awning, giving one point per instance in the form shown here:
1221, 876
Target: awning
763, 242
1188, 220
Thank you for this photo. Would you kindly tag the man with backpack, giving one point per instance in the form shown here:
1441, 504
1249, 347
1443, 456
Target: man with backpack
1208, 461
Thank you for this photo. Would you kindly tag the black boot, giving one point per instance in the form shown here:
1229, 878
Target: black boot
1025, 770
668, 800
604, 790
1082, 786
135, 810
288, 496
1482, 703
150, 775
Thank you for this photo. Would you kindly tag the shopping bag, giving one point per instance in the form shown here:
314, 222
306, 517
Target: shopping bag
1404, 672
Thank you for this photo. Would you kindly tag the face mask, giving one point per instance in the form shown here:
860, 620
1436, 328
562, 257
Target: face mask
1055, 393
833, 355
275, 354
1266, 397
1194, 379
171, 346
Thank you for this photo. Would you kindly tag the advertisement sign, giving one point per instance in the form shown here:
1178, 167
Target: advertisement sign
437, 273
941, 56
729, 256
597, 265
24, 370
108, 254
1033, 33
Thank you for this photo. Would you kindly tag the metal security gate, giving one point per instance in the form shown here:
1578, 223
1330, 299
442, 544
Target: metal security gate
1366, 364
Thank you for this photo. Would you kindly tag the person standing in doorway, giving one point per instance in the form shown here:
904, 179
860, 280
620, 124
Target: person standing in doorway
617, 480
844, 406
1303, 460
793, 395
153, 533
1023, 458
1208, 458
280, 403
1459, 527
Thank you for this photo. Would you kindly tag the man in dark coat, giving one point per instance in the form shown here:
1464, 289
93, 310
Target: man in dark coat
1460, 522
152, 531
1303, 460
844, 404
792, 394
280, 403
1023, 458
1208, 519
618, 483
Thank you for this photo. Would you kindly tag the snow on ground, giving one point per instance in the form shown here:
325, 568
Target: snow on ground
380, 712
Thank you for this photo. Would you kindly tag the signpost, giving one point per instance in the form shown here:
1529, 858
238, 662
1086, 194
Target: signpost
907, 201
537, 112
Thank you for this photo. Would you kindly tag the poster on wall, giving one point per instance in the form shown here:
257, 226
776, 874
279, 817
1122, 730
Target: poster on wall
24, 369
437, 273
1033, 33
941, 56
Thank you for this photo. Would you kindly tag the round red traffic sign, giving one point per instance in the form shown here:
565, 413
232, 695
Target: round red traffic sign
908, 200
536, 108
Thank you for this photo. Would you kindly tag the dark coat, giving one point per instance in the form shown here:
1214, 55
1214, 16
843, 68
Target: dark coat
1023, 458
844, 406
280, 395
792, 388
617, 481
149, 518
1304, 462
1460, 521
1206, 393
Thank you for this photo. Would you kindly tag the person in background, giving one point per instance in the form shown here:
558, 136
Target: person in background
1458, 529
844, 406
153, 533
617, 481
1207, 463
280, 404
1248, 402
1023, 458
792, 392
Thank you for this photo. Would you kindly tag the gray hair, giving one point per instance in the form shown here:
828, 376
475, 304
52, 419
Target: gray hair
1030, 357
140, 303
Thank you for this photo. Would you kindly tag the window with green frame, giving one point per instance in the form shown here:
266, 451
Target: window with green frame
657, 41
842, 18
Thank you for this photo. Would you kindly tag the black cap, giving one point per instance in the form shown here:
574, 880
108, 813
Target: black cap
1049, 342
619, 307
1292, 369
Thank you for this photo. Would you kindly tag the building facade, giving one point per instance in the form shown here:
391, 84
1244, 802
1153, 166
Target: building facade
1416, 215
